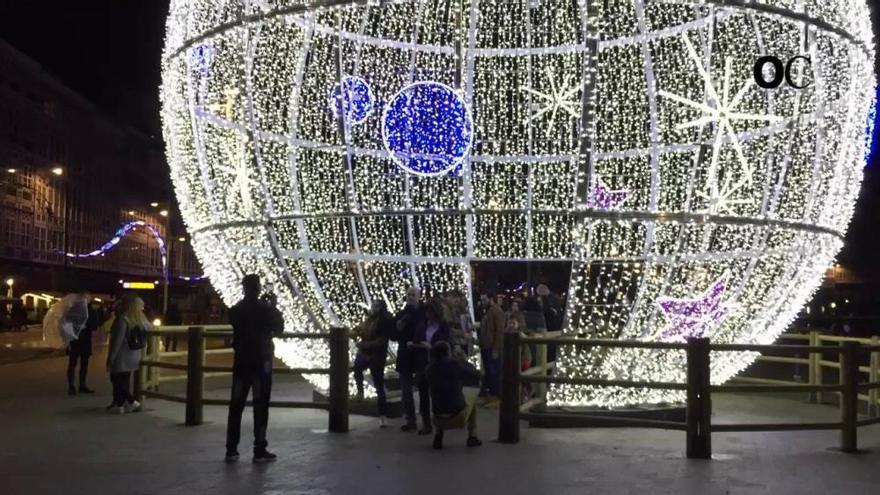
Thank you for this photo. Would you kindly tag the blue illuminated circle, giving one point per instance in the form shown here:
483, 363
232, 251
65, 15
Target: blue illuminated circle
427, 128
356, 100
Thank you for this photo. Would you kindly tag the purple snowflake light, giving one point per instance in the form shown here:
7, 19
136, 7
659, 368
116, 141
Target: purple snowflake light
602, 198
695, 317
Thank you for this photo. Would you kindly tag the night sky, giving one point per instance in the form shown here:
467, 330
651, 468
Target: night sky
109, 51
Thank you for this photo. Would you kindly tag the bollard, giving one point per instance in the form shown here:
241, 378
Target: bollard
508, 411
339, 368
195, 353
699, 400
849, 397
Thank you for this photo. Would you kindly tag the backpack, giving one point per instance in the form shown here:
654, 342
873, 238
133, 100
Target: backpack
137, 338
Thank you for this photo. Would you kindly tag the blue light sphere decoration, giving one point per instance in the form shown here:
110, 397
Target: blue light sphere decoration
427, 128
354, 96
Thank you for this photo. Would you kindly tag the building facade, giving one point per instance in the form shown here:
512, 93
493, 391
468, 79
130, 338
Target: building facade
69, 178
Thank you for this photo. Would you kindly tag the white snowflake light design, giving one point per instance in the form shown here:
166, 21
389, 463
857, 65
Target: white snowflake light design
561, 97
720, 111
559, 101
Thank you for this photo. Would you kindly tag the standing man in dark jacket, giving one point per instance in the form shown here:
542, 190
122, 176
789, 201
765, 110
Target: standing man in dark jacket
410, 323
173, 318
255, 322
553, 315
81, 349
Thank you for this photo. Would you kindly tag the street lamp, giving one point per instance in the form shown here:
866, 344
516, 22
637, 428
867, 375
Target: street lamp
11, 170
58, 171
9, 283
165, 213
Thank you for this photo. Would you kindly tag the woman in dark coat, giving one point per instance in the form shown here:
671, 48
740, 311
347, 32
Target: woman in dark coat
372, 353
81, 350
434, 330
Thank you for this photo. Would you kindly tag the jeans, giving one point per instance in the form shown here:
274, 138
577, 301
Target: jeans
83, 368
466, 418
121, 388
171, 344
492, 380
377, 371
408, 379
260, 379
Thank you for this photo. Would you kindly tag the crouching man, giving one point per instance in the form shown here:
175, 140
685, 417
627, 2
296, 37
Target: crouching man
454, 386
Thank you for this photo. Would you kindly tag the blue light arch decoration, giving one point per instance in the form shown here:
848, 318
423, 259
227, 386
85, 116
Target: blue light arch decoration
353, 98
123, 232
427, 128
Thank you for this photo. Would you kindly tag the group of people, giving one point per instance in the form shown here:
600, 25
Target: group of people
434, 346
14, 318
78, 318
434, 343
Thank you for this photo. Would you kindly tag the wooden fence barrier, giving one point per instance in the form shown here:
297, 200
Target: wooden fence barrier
196, 370
698, 425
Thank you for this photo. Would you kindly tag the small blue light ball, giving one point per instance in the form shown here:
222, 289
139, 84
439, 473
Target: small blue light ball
354, 97
427, 128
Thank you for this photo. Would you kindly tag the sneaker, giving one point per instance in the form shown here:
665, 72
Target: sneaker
116, 410
408, 427
427, 430
85, 390
134, 407
438, 440
231, 456
382, 423
474, 442
264, 456
71, 390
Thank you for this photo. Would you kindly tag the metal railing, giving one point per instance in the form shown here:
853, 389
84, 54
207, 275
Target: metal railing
697, 425
197, 369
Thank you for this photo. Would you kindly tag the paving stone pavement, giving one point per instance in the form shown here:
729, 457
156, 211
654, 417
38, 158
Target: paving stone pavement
54, 444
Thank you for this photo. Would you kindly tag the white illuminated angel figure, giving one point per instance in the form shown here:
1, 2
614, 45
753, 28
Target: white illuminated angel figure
720, 109
562, 97
238, 193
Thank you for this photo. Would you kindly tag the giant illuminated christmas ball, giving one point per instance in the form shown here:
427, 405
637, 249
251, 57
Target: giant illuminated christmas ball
693, 190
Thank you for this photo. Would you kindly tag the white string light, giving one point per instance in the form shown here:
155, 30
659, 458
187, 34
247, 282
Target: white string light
624, 136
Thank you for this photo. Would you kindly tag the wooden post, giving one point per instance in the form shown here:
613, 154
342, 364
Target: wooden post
153, 353
815, 368
541, 362
339, 369
699, 400
508, 411
849, 398
195, 375
874, 377
140, 379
